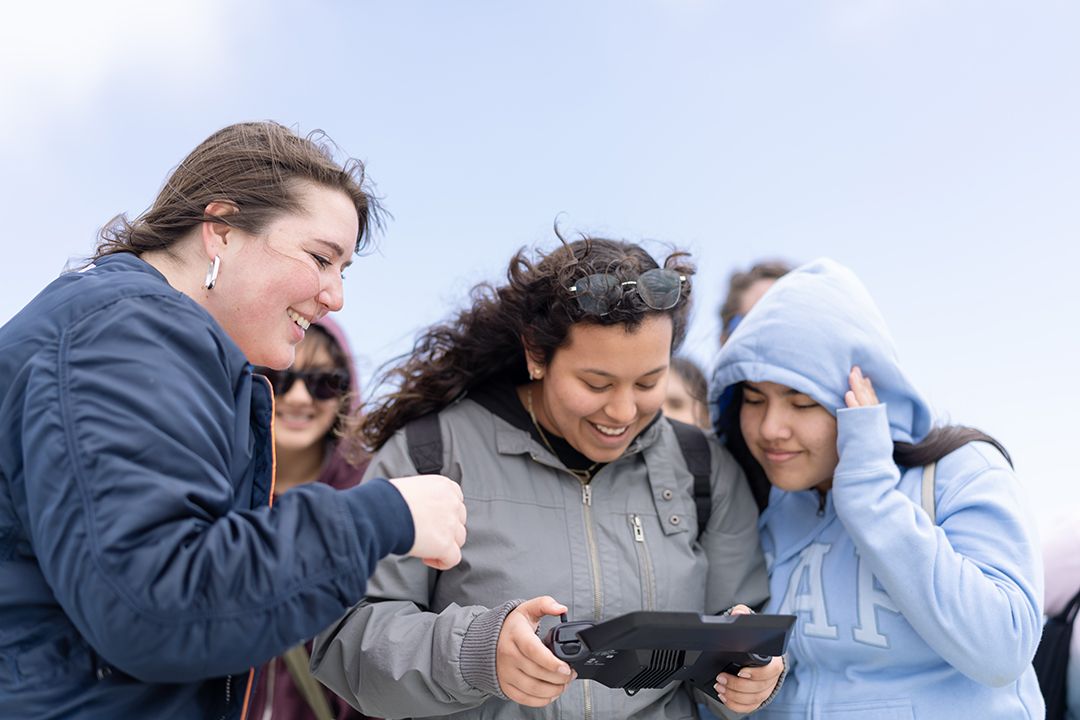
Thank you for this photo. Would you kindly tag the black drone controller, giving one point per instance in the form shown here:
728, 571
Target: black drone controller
652, 649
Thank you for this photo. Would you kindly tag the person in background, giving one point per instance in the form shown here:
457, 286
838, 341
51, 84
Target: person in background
143, 571
1062, 563
546, 396
745, 289
687, 393
903, 546
314, 398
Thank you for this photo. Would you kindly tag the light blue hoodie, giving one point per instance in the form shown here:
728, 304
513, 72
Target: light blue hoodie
899, 618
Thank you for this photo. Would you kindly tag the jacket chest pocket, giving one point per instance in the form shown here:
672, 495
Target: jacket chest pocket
670, 568
646, 572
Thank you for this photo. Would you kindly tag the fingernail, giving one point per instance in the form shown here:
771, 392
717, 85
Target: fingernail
721, 681
720, 694
744, 674
565, 670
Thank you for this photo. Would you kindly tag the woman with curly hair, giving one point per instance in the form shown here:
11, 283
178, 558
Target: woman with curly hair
547, 394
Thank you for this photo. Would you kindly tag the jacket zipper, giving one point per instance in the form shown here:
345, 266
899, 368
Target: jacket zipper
594, 555
228, 696
594, 560
644, 562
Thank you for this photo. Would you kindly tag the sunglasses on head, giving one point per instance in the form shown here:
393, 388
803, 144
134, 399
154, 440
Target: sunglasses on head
599, 294
320, 384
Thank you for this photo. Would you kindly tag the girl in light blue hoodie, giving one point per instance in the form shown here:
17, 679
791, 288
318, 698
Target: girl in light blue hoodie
903, 547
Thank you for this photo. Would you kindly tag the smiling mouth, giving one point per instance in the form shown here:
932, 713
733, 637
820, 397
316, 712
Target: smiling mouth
299, 319
610, 431
296, 417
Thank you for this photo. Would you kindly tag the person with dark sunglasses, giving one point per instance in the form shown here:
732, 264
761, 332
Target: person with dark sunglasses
543, 399
320, 384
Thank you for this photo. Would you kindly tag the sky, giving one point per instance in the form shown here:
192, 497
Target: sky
933, 147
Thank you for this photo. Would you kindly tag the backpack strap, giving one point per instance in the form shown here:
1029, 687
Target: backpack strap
929, 503
1068, 613
424, 440
698, 455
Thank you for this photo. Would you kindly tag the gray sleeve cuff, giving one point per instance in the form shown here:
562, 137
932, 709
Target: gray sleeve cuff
478, 649
779, 680
779, 684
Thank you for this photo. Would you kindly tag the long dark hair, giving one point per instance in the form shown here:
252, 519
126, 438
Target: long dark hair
938, 443
484, 342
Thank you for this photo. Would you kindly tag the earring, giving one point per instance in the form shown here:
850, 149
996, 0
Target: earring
212, 273
536, 373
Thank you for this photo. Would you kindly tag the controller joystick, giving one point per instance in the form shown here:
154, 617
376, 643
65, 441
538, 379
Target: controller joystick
564, 642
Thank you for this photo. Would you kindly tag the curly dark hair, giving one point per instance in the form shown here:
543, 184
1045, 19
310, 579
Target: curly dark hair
485, 341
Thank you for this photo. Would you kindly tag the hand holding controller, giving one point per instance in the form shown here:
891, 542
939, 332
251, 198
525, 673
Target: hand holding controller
749, 687
527, 672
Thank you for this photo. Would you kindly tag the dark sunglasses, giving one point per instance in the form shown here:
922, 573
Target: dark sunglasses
320, 384
659, 288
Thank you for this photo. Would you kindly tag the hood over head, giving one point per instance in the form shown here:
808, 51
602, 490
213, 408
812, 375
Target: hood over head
338, 336
807, 332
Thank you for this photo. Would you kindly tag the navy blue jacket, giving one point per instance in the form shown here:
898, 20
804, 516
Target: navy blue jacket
142, 572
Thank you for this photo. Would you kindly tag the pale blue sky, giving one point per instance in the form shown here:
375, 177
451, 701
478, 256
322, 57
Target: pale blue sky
934, 147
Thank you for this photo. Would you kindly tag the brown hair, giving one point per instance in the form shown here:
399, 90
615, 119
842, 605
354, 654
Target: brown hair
253, 166
740, 282
484, 342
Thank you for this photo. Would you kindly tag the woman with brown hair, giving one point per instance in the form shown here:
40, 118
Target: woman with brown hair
546, 396
142, 571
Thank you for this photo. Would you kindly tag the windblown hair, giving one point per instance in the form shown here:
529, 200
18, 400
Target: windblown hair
255, 167
938, 443
740, 282
484, 342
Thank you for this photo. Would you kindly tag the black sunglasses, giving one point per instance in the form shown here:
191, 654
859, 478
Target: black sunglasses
659, 288
320, 384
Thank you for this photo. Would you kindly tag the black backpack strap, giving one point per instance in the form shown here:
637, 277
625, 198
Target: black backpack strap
424, 439
698, 455
1068, 613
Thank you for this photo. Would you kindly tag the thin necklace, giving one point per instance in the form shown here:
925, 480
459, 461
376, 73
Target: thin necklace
583, 475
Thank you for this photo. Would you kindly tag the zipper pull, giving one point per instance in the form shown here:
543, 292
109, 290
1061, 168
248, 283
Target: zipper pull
639, 533
586, 494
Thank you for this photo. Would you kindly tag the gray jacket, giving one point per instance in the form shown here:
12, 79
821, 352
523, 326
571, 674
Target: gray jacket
423, 643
